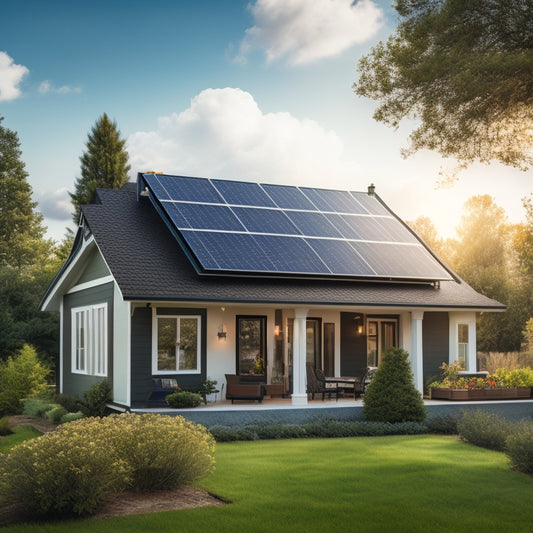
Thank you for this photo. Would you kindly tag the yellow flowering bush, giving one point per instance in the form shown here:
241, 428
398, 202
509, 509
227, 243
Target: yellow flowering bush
62, 473
73, 469
163, 451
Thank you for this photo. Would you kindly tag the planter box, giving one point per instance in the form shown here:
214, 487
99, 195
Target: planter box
437, 393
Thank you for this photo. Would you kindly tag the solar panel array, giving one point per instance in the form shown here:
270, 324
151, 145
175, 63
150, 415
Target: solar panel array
233, 227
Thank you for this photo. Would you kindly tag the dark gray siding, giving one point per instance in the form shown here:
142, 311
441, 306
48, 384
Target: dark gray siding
95, 269
141, 353
77, 384
353, 347
435, 341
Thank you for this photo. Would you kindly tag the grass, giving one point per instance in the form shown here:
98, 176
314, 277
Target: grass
20, 434
373, 484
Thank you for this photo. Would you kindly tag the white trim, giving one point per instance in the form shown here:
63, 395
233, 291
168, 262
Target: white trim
155, 370
90, 364
128, 352
91, 284
61, 351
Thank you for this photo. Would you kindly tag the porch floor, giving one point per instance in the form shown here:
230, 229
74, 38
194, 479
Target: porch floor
281, 410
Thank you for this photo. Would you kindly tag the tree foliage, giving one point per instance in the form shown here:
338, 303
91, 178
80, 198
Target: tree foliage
103, 165
27, 260
21, 229
465, 70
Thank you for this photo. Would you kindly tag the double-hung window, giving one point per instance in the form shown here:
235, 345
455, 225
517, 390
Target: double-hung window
178, 345
89, 340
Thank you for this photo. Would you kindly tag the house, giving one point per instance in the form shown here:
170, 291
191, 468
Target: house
189, 278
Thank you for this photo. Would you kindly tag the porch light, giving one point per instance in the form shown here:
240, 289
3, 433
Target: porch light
277, 330
221, 333
360, 329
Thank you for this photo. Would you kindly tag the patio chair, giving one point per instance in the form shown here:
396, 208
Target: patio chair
161, 387
315, 386
243, 391
346, 384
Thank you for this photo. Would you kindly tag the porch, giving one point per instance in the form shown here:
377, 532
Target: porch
282, 411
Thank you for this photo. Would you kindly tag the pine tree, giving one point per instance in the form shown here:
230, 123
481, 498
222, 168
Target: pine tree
103, 165
21, 229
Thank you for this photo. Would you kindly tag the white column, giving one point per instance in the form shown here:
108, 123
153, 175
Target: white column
417, 364
299, 351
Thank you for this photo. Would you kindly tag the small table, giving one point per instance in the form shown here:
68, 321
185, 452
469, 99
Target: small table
347, 384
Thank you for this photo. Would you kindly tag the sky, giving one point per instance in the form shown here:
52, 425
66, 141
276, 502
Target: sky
252, 90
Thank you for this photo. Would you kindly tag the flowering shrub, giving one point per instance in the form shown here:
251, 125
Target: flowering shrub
64, 473
163, 451
501, 379
70, 471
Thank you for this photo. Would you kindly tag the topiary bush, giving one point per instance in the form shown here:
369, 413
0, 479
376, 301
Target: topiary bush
95, 399
519, 447
484, 429
391, 395
183, 399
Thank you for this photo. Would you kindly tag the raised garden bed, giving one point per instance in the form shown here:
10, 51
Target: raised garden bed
443, 393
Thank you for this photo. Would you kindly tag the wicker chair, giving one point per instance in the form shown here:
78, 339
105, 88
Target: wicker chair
314, 385
243, 391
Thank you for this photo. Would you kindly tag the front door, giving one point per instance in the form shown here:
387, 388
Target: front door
313, 342
382, 334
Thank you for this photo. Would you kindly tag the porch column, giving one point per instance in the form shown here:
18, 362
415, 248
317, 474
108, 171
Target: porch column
417, 364
299, 352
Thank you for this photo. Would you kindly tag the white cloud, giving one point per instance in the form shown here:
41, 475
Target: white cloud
55, 205
47, 87
10, 77
304, 31
225, 134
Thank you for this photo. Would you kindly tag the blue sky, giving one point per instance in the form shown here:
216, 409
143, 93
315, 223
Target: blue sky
254, 90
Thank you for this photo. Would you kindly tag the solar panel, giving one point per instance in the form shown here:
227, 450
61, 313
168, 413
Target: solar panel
243, 193
241, 228
288, 197
335, 201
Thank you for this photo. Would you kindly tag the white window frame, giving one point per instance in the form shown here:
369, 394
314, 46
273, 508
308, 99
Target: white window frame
155, 329
93, 319
462, 347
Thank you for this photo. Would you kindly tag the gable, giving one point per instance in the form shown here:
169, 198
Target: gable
94, 267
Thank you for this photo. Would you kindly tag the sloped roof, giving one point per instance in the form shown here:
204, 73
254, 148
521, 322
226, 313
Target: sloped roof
148, 264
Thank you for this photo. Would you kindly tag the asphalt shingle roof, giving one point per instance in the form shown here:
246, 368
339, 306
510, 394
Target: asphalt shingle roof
148, 264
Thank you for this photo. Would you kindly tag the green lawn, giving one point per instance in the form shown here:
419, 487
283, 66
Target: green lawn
19, 435
371, 484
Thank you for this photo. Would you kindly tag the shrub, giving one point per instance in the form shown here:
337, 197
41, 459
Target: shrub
229, 434
70, 403
4, 426
391, 395
21, 376
56, 414
162, 451
70, 471
443, 425
484, 429
183, 399
37, 407
95, 399
519, 447
70, 417
63, 473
